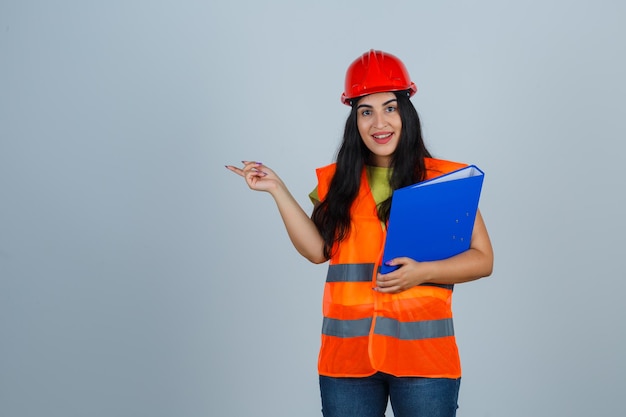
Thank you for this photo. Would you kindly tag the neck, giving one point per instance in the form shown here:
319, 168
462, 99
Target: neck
380, 161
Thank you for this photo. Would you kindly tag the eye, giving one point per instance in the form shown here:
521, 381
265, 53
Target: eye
366, 112
390, 109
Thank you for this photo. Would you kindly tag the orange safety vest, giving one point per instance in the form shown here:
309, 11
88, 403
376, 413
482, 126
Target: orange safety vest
364, 331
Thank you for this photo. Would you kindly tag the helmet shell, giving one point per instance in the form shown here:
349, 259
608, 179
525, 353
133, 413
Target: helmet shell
376, 72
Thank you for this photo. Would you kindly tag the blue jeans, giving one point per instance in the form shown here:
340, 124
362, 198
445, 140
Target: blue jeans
410, 397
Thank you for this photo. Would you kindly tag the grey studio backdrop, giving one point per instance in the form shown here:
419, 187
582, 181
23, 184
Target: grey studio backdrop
138, 277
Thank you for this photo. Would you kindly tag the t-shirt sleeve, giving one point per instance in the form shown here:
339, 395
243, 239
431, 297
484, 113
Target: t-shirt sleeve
314, 196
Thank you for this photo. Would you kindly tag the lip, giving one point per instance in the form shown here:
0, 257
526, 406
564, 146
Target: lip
382, 137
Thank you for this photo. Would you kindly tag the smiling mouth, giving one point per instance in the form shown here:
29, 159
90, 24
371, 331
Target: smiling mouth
382, 138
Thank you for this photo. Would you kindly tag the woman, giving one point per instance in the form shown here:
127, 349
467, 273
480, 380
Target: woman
384, 336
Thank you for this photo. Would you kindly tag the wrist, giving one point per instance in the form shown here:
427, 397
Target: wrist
430, 272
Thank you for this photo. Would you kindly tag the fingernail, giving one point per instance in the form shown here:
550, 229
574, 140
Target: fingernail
259, 163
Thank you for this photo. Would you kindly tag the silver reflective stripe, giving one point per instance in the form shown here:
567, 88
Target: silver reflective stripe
415, 330
346, 328
350, 273
445, 286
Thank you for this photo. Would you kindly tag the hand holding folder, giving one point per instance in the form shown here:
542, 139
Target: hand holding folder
434, 219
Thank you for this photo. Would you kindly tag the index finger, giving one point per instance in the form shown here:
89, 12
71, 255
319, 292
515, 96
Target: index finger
234, 169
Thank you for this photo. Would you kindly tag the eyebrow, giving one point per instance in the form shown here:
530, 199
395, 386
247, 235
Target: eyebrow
370, 106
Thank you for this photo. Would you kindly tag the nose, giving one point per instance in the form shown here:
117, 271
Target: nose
380, 120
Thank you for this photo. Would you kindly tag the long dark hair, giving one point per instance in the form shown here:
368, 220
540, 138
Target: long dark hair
332, 215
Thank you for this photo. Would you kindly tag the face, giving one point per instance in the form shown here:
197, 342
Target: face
379, 124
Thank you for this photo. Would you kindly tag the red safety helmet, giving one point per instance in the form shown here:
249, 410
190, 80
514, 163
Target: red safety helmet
376, 72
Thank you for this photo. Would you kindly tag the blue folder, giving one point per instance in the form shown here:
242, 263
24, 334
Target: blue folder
433, 219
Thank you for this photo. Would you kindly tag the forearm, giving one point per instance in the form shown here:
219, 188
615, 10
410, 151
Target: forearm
467, 266
476, 262
300, 228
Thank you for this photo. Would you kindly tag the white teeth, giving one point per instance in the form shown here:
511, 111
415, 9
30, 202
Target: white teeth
382, 136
